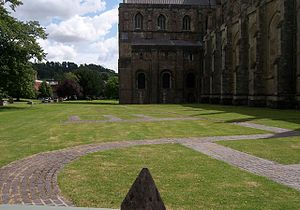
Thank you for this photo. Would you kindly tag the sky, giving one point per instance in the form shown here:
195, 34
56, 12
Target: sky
80, 31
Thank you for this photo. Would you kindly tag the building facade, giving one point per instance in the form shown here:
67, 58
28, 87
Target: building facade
227, 51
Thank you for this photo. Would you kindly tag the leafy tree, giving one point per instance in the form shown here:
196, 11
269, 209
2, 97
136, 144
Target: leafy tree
2, 94
71, 76
90, 81
112, 88
45, 90
18, 45
68, 88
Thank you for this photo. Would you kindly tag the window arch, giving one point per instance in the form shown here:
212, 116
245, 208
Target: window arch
166, 80
190, 81
161, 22
138, 20
186, 25
141, 81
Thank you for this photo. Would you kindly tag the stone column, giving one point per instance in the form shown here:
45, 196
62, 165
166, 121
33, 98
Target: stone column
226, 74
298, 53
154, 78
216, 68
287, 62
256, 57
206, 83
241, 72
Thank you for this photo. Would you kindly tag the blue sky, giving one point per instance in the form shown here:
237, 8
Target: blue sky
81, 31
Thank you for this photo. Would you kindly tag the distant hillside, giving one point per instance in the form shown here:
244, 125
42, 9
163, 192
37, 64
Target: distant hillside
56, 70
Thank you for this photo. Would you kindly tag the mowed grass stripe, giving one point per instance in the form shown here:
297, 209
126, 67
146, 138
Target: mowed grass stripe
186, 180
282, 150
26, 130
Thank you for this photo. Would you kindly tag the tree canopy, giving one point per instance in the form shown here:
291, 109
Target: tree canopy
18, 45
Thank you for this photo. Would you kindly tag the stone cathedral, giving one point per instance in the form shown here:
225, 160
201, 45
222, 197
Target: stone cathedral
241, 52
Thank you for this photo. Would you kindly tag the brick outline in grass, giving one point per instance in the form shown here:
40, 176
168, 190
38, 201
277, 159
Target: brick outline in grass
33, 180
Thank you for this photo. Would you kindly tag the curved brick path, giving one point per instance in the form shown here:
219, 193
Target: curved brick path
33, 180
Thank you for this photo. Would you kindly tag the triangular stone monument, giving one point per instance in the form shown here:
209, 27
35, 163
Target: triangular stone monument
143, 194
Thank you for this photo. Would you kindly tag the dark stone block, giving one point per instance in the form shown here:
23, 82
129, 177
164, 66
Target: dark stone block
257, 103
143, 194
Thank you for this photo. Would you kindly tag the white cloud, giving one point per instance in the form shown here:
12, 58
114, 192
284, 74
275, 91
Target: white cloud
43, 10
79, 28
58, 51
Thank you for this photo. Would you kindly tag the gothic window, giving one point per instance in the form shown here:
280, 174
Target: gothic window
139, 21
186, 23
190, 81
141, 81
161, 22
166, 80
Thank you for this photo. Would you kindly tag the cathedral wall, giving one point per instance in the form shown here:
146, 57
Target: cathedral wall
298, 53
256, 58
215, 81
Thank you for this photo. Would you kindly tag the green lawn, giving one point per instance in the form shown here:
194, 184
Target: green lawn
186, 180
285, 151
27, 130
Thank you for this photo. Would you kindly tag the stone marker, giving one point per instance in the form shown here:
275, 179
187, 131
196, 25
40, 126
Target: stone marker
143, 194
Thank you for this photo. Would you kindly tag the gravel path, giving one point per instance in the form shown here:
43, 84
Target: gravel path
33, 180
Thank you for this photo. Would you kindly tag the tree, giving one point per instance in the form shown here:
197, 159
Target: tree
68, 88
70, 76
90, 81
45, 90
112, 88
18, 45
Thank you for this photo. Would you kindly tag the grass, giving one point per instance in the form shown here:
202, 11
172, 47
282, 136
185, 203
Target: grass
186, 180
284, 151
27, 130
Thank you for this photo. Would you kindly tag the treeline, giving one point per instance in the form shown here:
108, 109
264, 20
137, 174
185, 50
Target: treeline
56, 70
78, 82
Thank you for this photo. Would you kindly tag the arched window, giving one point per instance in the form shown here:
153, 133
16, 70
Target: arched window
186, 23
141, 81
161, 22
139, 21
190, 81
166, 80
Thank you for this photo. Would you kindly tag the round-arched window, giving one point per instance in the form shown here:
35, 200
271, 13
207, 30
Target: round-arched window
186, 26
161, 22
138, 21
166, 80
190, 81
141, 81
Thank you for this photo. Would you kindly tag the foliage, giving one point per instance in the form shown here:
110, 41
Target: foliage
3, 94
56, 70
18, 45
45, 90
69, 88
90, 82
112, 88
70, 76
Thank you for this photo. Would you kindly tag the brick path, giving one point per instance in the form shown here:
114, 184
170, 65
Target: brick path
285, 174
140, 118
33, 180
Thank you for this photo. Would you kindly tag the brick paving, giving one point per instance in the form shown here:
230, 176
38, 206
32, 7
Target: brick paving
140, 118
33, 180
288, 175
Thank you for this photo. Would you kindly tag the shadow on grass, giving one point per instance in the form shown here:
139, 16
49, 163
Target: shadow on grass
246, 114
92, 102
11, 108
